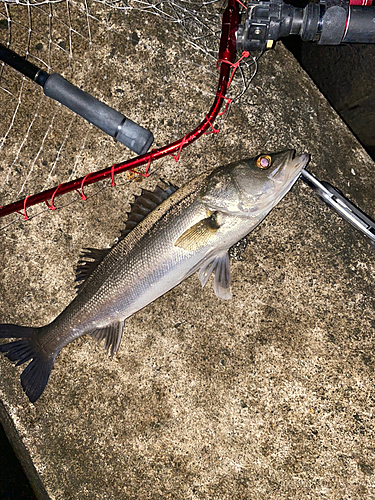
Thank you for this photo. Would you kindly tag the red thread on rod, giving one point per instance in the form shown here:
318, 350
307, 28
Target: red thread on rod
183, 142
113, 176
242, 5
146, 174
213, 129
81, 193
227, 54
228, 103
234, 65
51, 206
24, 208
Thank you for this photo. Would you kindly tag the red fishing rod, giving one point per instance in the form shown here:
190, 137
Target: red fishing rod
227, 55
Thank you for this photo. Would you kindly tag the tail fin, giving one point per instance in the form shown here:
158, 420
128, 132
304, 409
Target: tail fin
35, 376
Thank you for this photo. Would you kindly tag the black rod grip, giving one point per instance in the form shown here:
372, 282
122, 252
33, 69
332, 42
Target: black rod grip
113, 123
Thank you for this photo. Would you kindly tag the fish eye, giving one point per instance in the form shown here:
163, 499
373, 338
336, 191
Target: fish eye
263, 162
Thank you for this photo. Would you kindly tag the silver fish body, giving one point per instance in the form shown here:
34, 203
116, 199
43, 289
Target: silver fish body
191, 230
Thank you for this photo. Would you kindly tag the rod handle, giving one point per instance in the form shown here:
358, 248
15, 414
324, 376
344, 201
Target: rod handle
113, 123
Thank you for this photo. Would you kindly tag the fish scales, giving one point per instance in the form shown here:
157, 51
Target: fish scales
121, 284
190, 230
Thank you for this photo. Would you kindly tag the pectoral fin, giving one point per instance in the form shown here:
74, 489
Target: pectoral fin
200, 234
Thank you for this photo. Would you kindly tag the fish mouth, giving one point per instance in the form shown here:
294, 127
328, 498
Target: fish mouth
286, 165
291, 167
299, 162
289, 156
289, 171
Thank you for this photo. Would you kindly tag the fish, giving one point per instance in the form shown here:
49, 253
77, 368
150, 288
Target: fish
169, 235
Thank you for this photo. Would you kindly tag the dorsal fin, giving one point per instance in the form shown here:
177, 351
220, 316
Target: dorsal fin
89, 260
143, 204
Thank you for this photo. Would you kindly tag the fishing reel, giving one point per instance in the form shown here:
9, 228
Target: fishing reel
329, 22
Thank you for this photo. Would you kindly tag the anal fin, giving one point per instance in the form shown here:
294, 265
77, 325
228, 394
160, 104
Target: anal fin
112, 336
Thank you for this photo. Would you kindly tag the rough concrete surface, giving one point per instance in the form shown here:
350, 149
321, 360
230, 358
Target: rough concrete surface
267, 396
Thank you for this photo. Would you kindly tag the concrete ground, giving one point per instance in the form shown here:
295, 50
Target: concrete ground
267, 396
